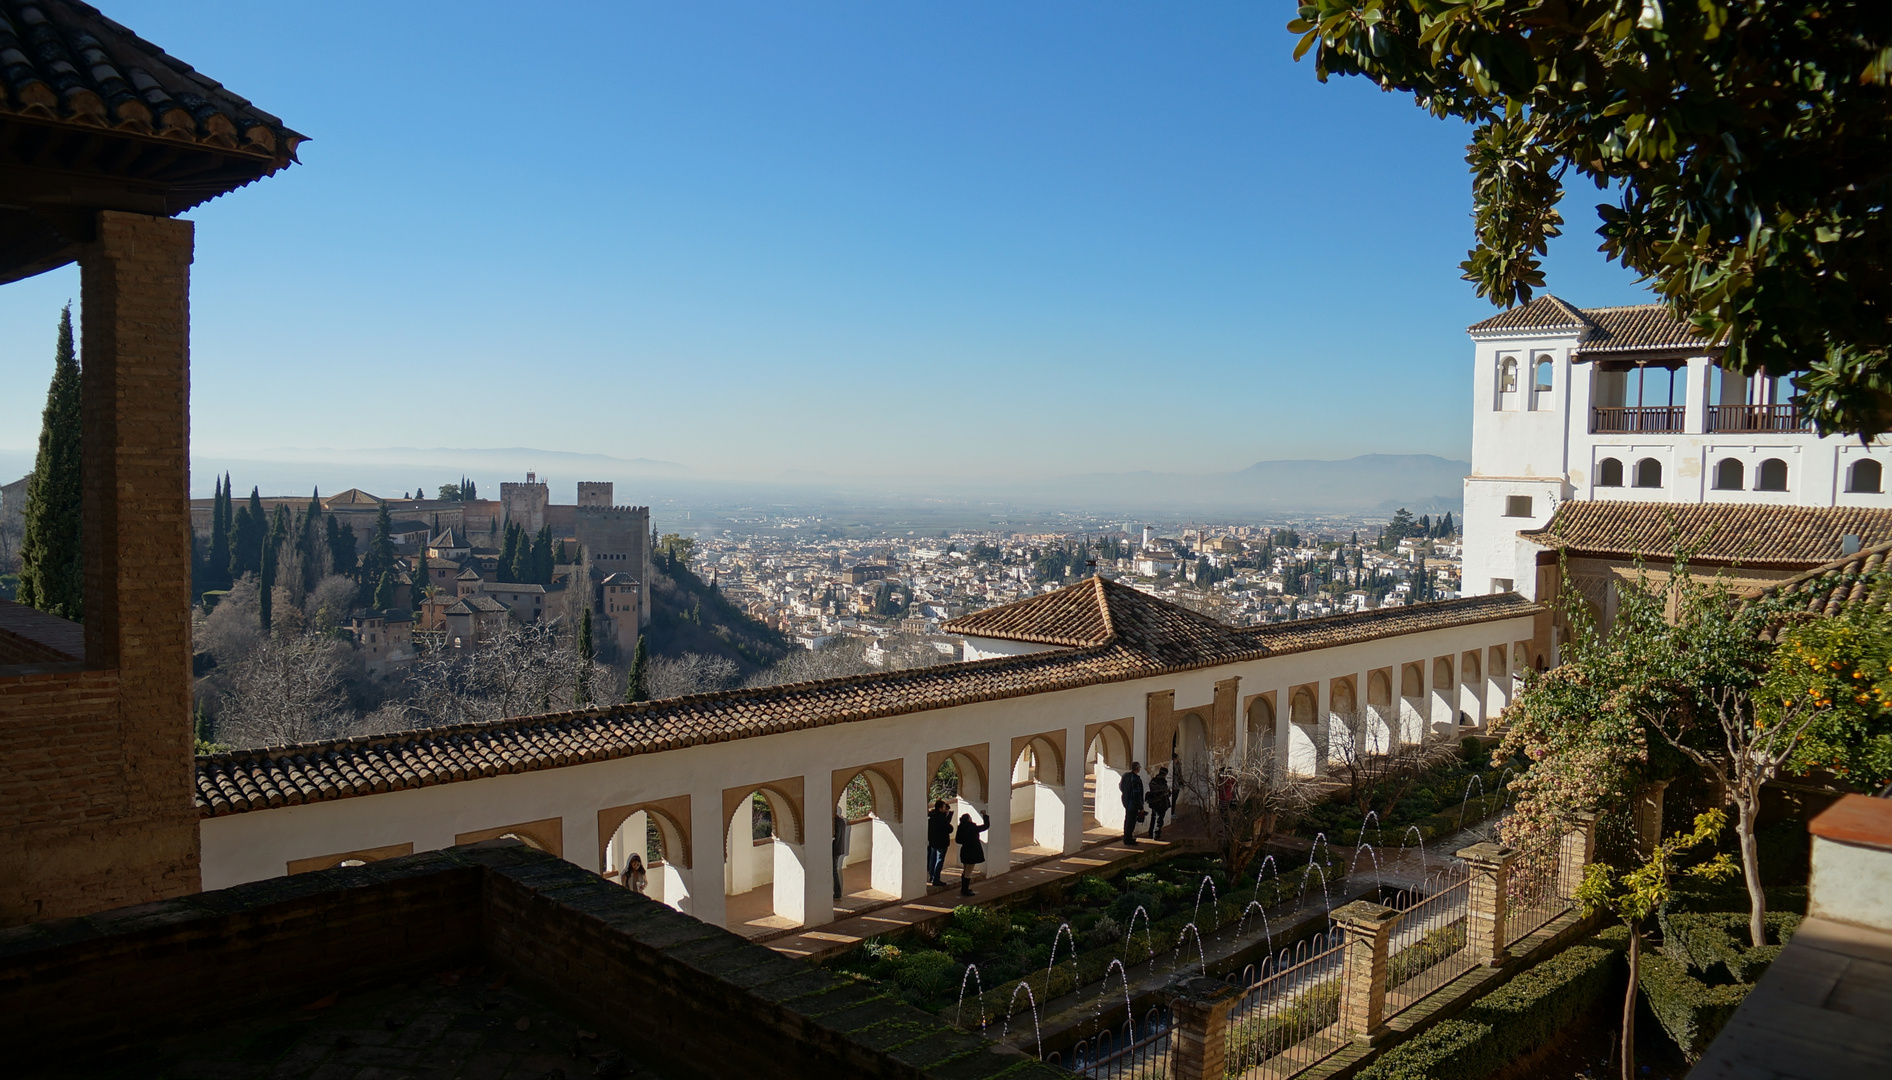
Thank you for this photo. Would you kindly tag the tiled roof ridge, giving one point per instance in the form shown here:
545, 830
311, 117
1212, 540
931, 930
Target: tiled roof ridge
1763, 533
1102, 589
236, 781
1516, 317
1826, 591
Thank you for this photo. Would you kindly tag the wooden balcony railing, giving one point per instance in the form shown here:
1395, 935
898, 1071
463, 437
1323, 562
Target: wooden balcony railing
1656, 419
1755, 418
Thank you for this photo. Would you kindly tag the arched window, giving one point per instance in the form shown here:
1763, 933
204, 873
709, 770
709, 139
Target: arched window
1648, 473
1730, 475
1541, 374
1508, 375
1771, 476
1865, 476
1609, 473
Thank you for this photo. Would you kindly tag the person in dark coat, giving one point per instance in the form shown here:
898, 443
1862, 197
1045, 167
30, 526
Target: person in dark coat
971, 850
1159, 801
1132, 788
841, 844
939, 840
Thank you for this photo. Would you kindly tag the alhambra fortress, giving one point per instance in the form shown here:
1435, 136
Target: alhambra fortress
148, 891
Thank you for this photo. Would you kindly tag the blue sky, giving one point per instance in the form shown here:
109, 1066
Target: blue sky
894, 240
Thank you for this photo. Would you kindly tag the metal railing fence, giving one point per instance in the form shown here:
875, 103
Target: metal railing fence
1288, 1019
1140, 1050
1426, 949
1537, 891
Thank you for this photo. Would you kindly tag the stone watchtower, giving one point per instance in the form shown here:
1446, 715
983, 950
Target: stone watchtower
105, 139
524, 504
594, 493
616, 540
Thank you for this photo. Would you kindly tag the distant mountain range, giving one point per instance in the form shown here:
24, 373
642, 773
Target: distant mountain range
1369, 484
1423, 483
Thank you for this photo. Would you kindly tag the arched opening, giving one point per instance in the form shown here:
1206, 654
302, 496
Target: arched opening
961, 784
1306, 754
1507, 379
1106, 760
1609, 472
1648, 473
1444, 693
1344, 731
764, 873
1498, 679
1730, 475
1190, 752
866, 847
1771, 476
1866, 477
657, 839
1412, 702
1381, 718
1541, 374
1037, 801
1261, 731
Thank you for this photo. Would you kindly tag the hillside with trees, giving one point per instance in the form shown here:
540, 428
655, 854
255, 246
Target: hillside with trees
690, 618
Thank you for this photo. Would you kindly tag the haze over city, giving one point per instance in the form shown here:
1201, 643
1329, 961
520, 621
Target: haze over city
926, 249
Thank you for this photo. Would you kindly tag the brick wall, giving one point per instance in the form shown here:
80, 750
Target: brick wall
34, 637
97, 777
112, 980
697, 999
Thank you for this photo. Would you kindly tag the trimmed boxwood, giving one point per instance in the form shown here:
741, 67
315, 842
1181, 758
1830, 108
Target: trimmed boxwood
1513, 1020
1704, 971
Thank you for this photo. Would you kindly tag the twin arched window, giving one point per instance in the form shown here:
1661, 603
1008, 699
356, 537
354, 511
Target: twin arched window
1609, 473
1648, 473
1865, 476
1731, 475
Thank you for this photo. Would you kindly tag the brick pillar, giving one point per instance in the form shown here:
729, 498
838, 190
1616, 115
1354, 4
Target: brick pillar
1484, 924
1575, 851
1198, 1037
1363, 979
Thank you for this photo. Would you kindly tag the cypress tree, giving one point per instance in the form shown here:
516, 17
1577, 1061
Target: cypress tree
634, 686
341, 547
509, 552
585, 654
422, 577
52, 567
278, 531
218, 572
384, 592
380, 558
541, 560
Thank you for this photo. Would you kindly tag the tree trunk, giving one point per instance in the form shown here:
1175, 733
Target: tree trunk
1629, 1003
1745, 812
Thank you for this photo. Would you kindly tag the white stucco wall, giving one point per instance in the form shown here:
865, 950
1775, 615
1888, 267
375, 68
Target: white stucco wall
258, 844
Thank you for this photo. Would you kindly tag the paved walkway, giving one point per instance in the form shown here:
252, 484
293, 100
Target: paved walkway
897, 916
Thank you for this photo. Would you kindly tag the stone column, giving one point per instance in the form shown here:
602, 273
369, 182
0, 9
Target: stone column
709, 856
1485, 916
915, 789
817, 851
1199, 1010
1076, 767
1363, 979
135, 397
1575, 851
998, 808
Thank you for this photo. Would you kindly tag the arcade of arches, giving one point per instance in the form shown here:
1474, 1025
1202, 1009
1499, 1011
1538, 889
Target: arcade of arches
769, 832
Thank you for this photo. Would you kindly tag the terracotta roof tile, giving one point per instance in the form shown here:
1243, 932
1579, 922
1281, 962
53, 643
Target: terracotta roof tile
1639, 328
1148, 637
1745, 533
1545, 312
1860, 579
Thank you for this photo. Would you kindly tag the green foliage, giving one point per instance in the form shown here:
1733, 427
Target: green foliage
1842, 667
1511, 1021
1690, 1010
1584, 726
1715, 943
635, 687
1742, 143
1637, 895
1092, 889
52, 566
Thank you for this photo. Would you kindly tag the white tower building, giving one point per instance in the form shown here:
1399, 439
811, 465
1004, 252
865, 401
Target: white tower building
1629, 403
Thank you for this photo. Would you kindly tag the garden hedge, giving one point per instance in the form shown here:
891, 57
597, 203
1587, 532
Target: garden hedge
1513, 1020
1704, 970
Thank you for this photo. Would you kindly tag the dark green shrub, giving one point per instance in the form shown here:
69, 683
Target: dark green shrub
1704, 941
1690, 1010
1092, 889
1511, 1021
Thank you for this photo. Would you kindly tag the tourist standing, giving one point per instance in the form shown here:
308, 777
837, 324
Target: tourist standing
939, 839
971, 850
635, 879
1132, 788
1159, 798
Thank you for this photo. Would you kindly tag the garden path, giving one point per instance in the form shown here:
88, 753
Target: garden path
893, 917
